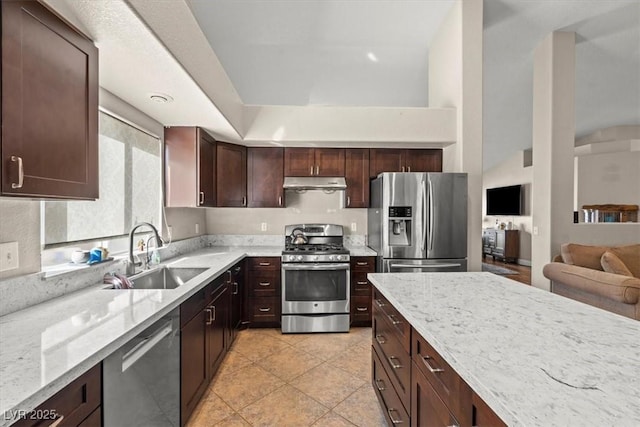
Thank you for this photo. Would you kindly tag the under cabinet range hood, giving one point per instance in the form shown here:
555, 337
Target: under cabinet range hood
314, 183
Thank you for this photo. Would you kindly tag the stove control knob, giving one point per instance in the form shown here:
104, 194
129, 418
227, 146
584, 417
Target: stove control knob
332, 257
299, 258
316, 257
292, 257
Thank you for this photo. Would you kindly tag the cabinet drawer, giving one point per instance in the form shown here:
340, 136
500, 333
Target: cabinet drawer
395, 359
401, 327
427, 409
363, 263
483, 416
264, 263
194, 305
266, 309
453, 391
360, 285
74, 403
361, 309
392, 407
264, 283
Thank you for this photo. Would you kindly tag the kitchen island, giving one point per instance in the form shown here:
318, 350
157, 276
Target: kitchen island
535, 358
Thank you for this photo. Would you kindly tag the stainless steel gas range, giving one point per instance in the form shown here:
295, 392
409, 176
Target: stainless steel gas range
315, 279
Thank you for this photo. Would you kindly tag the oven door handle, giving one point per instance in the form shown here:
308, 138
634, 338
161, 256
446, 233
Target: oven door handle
318, 266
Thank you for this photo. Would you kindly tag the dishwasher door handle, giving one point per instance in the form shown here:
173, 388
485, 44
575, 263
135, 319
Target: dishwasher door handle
133, 355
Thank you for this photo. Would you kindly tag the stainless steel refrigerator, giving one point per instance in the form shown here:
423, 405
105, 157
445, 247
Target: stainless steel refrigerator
418, 221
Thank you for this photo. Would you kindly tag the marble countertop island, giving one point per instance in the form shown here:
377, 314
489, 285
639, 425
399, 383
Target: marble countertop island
537, 359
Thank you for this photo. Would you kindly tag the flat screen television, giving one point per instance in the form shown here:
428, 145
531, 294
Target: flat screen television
504, 200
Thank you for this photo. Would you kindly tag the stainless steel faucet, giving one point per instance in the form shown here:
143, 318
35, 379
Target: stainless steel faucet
131, 264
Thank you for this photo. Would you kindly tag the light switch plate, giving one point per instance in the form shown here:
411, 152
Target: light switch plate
9, 256
263, 226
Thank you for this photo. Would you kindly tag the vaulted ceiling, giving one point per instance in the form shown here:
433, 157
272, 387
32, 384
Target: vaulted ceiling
355, 53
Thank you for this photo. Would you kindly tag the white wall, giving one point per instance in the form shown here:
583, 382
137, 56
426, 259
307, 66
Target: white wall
312, 206
455, 80
608, 178
512, 172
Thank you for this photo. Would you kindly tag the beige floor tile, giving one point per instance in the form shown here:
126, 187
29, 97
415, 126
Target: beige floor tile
288, 338
255, 346
289, 363
234, 421
233, 361
332, 420
356, 360
210, 410
240, 388
284, 407
362, 408
327, 384
324, 346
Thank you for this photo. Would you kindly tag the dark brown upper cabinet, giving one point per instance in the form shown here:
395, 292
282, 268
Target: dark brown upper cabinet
404, 160
314, 161
190, 159
49, 144
357, 177
231, 173
265, 177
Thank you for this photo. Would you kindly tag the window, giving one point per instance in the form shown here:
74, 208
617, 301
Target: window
130, 190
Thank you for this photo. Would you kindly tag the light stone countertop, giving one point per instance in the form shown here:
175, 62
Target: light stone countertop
45, 347
537, 359
360, 250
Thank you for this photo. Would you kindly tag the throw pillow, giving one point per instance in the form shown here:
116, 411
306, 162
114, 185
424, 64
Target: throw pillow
583, 255
630, 256
612, 264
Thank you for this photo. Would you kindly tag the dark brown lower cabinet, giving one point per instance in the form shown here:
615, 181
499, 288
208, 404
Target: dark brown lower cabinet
217, 322
78, 404
426, 407
483, 416
392, 407
361, 290
263, 303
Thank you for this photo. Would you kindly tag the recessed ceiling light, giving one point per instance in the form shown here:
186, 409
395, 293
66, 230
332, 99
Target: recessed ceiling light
160, 98
372, 57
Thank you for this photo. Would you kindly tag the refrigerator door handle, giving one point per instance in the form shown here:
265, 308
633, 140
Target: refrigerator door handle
424, 210
430, 216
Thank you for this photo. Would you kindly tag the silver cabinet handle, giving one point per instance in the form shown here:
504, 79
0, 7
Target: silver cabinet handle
264, 264
394, 420
361, 308
209, 316
213, 313
202, 197
348, 201
235, 291
311, 172
317, 170
393, 363
408, 168
230, 276
429, 367
244, 200
380, 303
362, 263
362, 283
265, 310
402, 169
20, 172
279, 200
381, 339
394, 319
379, 386
264, 283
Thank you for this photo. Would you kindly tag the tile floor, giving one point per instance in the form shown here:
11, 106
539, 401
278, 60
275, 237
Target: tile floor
271, 379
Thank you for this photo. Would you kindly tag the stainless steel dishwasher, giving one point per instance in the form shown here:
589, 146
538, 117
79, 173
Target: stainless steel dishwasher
141, 380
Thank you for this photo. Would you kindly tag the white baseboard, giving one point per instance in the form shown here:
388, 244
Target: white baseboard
526, 262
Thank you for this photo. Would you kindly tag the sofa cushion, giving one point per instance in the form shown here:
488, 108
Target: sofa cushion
611, 263
630, 256
583, 255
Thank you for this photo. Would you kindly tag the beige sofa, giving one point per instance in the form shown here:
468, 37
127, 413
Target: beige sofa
605, 277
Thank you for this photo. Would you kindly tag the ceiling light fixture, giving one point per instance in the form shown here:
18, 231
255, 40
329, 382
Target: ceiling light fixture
372, 57
160, 98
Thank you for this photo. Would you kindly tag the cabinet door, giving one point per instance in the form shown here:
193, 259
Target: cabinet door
236, 292
265, 177
231, 173
49, 106
206, 172
218, 322
483, 416
423, 160
385, 160
299, 162
357, 177
426, 407
329, 161
193, 363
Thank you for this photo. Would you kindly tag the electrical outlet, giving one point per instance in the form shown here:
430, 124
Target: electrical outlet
263, 226
354, 226
9, 256
197, 228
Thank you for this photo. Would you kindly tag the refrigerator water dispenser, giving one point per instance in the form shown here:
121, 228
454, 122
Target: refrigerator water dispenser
399, 226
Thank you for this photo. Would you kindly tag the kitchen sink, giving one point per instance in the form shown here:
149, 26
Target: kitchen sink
164, 278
